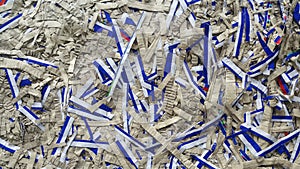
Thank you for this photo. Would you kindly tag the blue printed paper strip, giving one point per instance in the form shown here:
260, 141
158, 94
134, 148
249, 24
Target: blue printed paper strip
296, 13
10, 22
63, 134
7, 146
90, 144
126, 53
191, 80
130, 138
279, 143
33, 60
127, 153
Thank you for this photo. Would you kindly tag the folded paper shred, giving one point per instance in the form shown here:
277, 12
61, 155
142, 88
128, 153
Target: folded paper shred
149, 84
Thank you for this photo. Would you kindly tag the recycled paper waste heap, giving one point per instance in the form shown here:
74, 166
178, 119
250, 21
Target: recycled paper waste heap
149, 84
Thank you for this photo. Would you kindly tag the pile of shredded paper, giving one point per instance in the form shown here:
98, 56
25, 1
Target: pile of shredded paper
124, 84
